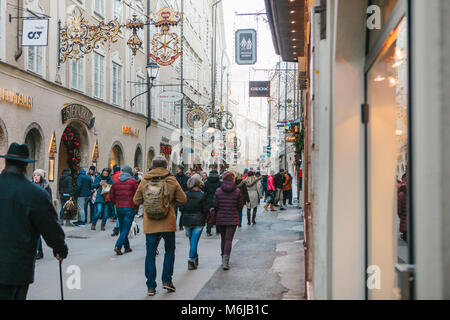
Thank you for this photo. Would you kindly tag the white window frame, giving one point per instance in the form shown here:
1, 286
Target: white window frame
120, 18
39, 70
80, 82
94, 75
101, 11
117, 84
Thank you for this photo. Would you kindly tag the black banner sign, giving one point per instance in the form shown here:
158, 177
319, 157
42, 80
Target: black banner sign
259, 89
78, 112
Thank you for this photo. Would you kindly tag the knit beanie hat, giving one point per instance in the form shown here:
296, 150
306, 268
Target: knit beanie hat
181, 168
228, 176
195, 180
127, 169
39, 172
116, 168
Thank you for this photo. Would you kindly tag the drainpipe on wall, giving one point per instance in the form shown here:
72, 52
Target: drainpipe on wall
19, 51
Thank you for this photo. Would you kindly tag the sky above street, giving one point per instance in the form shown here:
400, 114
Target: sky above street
267, 59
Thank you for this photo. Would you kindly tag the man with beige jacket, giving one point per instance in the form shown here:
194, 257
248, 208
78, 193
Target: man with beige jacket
162, 228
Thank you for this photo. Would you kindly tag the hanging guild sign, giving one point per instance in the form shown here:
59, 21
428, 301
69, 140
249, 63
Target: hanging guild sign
246, 46
52, 151
197, 119
78, 112
259, 89
95, 153
165, 44
170, 96
35, 32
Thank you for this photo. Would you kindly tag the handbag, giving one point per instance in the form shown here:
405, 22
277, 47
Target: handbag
106, 188
70, 206
212, 217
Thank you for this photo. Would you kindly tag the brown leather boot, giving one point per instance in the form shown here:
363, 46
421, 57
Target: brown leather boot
93, 226
266, 206
272, 208
103, 227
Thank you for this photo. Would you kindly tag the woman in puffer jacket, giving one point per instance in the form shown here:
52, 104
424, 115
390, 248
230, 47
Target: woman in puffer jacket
227, 202
253, 195
121, 194
270, 191
193, 218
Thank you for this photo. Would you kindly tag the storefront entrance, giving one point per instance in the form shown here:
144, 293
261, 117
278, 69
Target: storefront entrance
116, 156
34, 140
73, 152
387, 159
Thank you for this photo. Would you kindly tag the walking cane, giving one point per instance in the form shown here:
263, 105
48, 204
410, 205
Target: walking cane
61, 280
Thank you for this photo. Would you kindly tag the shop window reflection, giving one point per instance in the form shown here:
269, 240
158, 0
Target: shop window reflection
388, 155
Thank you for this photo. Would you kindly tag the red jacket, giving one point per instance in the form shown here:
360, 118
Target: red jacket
122, 193
116, 176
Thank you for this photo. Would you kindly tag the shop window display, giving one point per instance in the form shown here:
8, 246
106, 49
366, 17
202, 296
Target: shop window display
388, 154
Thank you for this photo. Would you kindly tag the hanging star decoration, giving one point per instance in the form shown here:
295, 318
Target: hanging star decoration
165, 44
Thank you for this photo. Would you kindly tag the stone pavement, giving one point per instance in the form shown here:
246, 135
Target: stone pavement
266, 263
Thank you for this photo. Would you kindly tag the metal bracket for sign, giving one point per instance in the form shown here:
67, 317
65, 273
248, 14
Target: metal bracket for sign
37, 16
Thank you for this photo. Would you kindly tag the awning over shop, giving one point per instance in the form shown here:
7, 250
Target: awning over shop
287, 23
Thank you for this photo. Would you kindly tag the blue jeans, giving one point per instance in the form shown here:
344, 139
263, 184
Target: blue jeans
82, 201
126, 217
240, 217
152, 241
92, 208
101, 207
194, 234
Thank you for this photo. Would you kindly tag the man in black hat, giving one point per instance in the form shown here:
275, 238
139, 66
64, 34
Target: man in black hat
26, 212
182, 180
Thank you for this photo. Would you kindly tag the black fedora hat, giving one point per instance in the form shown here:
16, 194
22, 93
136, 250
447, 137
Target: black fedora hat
18, 152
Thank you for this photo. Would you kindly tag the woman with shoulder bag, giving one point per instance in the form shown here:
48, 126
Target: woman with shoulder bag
227, 202
103, 183
194, 214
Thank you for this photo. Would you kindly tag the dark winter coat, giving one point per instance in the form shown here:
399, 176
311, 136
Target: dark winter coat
278, 180
227, 203
99, 198
264, 182
65, 184
122, 193
195, 210
46, 186
182, 180
210, 188
26, 212
84, 186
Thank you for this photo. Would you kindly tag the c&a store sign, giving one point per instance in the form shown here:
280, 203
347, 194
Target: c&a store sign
16, 98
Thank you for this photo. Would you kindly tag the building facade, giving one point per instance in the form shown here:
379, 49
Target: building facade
43, 100
375, 117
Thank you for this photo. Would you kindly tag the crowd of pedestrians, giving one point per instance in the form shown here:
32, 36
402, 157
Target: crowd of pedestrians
202, 200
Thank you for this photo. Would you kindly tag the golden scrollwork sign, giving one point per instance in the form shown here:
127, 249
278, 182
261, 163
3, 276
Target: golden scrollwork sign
78, 38
165, 44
